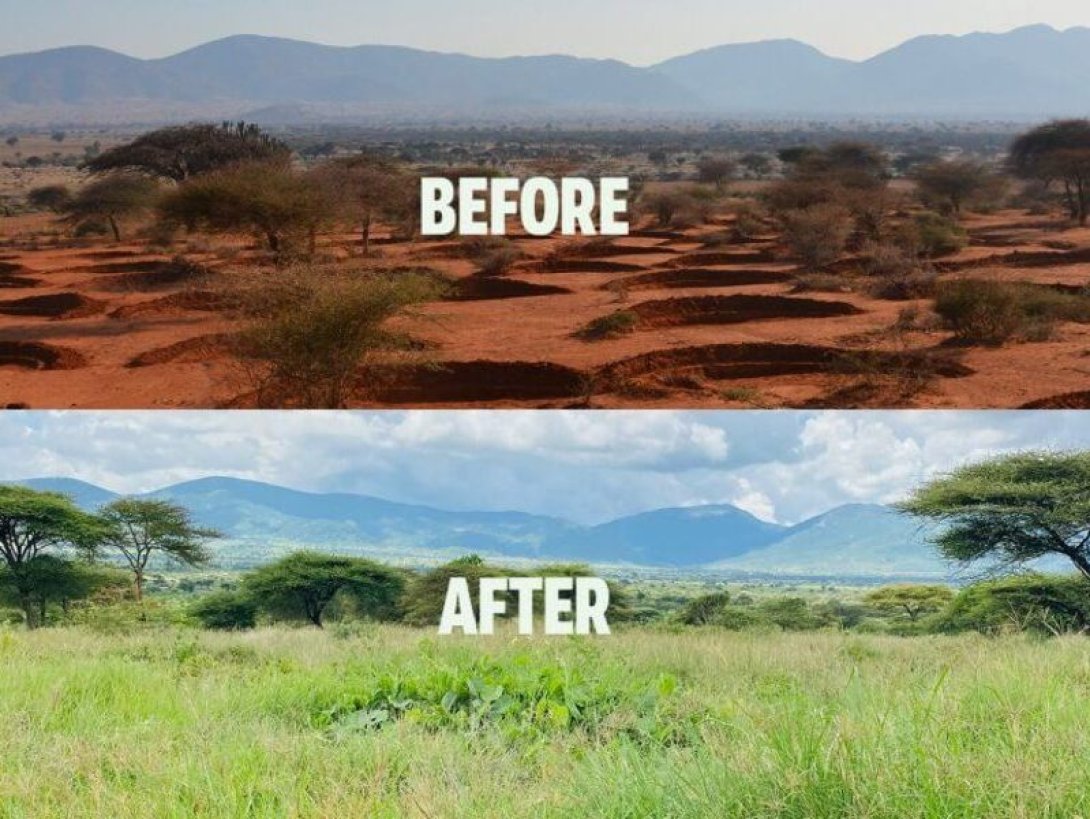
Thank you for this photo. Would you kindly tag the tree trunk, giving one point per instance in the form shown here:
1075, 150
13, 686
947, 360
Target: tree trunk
365, 235
26, 603
114, 228
138, 586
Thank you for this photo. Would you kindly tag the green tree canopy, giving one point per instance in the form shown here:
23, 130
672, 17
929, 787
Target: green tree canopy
1012, 509
268, 199
911, 600
33, 523
140, 528
1058, 151
181, 152
113, 198
225, 611
57, 580
951, 184
1025, 603
302, 586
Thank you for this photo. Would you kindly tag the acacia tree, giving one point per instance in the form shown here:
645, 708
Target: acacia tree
33, 523
952, 183
364, 188
1058, 151
268, 199
113, 198
181, 152
911, 600
303, 585
140, 528
58, 580
1011, 510
716, 170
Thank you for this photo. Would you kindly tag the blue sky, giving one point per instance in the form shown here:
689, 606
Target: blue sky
638, 31
587, 466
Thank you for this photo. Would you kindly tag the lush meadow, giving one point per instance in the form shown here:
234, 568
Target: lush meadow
370, 720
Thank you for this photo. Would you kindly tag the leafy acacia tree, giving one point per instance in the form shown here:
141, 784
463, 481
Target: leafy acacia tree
268, 199
138, 529
50, 197
181, 152
1058, 151
111, 199
57, 580
913, 601
303, 585
1011, 510
31, 524
951, 184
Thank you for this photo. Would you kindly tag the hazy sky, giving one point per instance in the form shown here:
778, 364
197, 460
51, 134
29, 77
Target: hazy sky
586, 466
638, 31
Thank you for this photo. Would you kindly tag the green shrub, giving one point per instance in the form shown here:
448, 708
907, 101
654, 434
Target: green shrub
225, 611
611, 326
1035, 603
931, 235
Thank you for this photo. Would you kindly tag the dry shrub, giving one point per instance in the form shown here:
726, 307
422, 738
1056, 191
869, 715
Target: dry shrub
610, 326
308, 329
991, 312
897, 274
817, 235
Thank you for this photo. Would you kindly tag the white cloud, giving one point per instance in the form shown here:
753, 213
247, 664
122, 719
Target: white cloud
589, 466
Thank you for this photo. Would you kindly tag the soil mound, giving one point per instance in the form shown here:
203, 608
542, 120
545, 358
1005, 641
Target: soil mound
192, 350
724, 362
35, 356
695, 277
706, 258
196, 300
735, 310
472, 382
487, 288
1067, 401
57, 305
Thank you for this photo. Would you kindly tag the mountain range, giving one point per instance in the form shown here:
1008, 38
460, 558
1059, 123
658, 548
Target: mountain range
1030, 72
260, 522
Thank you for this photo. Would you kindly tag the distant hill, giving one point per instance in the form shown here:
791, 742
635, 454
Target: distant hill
1030, 72
674, 537
1035, 71
261, 521
856, 539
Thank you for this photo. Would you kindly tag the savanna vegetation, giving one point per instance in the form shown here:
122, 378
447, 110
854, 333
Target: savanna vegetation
315, 686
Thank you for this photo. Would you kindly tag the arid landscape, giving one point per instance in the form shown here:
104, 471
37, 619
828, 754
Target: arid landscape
710, 312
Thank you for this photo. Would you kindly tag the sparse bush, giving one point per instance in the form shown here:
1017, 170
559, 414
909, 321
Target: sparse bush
610, 326
818, 235
897, 274
499, 261
820, 283
979, 311
931, 235
309, 330
989, 312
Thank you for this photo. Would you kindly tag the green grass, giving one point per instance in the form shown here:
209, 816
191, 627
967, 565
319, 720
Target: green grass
391, 722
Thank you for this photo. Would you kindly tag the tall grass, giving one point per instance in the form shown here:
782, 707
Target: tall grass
174, 723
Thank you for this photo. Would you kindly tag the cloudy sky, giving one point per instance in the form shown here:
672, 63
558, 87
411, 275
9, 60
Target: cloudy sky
586, 466
638, 31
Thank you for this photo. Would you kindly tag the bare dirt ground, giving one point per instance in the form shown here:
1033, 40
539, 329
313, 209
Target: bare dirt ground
93, 324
